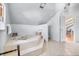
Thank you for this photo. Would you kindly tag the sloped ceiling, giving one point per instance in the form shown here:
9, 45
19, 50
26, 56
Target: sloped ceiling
74, 9
30, 13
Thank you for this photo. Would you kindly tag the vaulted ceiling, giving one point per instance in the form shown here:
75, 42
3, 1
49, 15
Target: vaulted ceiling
31, 13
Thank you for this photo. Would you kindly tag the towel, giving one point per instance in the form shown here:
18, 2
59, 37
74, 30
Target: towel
9, 29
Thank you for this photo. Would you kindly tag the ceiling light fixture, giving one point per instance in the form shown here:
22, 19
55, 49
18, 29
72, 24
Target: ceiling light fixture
67, 5
42, 5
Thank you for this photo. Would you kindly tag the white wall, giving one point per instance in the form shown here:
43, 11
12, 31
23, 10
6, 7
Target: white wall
53, 25
30, 29
77, 30
30, 13
60, 6
7, 14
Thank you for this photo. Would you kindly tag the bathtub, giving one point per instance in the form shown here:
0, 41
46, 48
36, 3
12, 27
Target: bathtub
28, 46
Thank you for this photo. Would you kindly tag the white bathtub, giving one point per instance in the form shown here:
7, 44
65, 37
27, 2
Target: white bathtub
27, 47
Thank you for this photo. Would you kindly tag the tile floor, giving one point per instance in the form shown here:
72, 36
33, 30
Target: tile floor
61, 49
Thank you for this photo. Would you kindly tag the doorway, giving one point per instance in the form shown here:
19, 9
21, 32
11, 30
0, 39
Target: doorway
69, 28
67, 32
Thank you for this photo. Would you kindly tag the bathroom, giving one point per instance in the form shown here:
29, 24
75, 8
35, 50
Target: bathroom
38, 19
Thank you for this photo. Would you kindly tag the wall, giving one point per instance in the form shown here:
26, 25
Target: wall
30, 29
7, 14
77, 29
53, 26
60, 6
54, 23
30, 13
